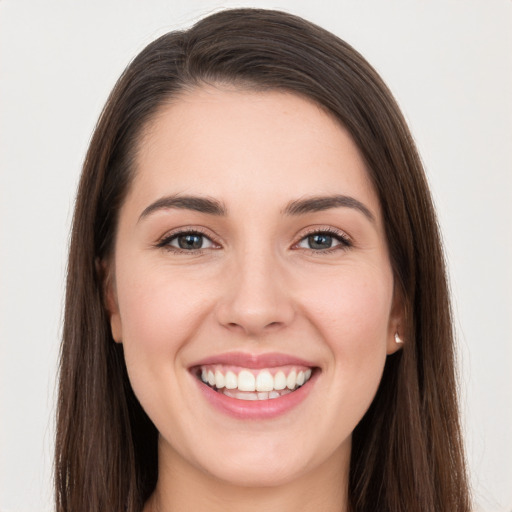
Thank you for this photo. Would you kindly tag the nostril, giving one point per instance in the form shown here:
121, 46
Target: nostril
254, 313
251, 328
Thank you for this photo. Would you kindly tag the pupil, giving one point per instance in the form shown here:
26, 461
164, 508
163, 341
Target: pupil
320, 241
190, 241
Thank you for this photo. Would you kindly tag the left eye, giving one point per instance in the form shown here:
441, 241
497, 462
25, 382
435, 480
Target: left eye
321, 241
189, 241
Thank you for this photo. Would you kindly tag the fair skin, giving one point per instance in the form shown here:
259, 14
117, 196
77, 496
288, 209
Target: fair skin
218, 268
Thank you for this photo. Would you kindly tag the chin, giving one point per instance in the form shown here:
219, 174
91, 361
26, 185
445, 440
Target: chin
271, 462
261, 474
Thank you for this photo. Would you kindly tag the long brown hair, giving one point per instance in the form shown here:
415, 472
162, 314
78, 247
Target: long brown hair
407, 451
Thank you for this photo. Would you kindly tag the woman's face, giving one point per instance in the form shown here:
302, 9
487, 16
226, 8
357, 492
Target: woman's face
251, 254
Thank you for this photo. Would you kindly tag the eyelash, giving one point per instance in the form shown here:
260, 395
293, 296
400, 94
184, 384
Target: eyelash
165, 242
339, 236
343, 239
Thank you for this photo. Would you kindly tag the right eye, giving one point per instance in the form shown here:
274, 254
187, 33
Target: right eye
188, 241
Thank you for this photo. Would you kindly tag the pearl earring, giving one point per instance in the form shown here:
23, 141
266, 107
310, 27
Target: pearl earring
398, 340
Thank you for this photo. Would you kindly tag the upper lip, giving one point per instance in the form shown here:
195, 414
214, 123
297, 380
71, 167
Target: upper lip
254, 361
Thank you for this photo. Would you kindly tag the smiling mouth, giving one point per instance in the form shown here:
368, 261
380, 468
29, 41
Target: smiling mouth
250, 384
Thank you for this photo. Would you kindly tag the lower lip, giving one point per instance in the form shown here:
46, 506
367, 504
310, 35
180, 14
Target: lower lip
256, 409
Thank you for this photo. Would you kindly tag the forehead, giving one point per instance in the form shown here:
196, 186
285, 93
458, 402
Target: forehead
241, 145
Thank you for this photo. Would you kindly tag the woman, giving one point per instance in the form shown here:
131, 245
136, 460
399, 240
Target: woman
257, 312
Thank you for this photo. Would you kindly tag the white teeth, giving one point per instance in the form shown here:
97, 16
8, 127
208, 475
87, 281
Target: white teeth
245, 395
264, 381
231, 381
220, 382
291, 380
246, 381
279, 380
241, 395
248, 386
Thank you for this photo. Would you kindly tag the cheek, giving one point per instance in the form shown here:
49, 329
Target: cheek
352, 315
353, 311
159, 313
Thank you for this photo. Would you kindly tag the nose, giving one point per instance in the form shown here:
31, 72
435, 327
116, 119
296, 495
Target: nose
255, 298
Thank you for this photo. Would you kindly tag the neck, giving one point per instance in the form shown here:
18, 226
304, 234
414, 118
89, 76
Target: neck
182, 487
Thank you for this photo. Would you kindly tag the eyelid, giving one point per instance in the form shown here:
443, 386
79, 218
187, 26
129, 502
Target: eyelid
341, 236
164, 241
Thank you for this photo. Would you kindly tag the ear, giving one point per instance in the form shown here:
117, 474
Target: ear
396, 323
106, 274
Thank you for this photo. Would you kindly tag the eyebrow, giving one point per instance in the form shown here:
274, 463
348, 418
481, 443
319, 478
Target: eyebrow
198, 204
298, 207
321, 203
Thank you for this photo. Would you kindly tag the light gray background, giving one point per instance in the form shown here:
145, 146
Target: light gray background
449, 64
